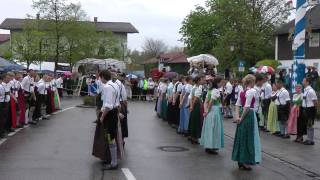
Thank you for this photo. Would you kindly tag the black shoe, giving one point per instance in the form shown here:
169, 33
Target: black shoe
110, 167
11, 130
286, 136
308, 143
33, 122
212, 152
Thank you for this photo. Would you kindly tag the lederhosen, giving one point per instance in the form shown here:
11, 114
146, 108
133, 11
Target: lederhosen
40, 98
309, 113
48, 101
3, 111
283, 110
110, 121
265, 105
28, 97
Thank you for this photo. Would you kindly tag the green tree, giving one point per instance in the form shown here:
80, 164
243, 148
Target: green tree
27, 45
56, 13
234, 30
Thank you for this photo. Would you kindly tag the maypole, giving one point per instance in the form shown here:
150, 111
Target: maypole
299, 43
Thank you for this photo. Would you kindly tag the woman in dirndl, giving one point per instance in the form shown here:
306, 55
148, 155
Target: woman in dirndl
184, 106
273, 123
163, 100
246, 147
170, 111
195, 111
212, 135
293, 122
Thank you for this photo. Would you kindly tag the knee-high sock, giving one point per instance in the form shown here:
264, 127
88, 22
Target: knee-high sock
282, 129
310, 134
27, 116
113, 152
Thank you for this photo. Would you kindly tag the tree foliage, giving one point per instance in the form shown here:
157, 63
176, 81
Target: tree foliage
245, 25
154, 47
62, 34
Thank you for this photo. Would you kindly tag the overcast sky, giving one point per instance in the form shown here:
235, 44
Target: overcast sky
160, 19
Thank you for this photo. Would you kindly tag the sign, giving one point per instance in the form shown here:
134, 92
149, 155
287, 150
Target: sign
314, 40
241, 66
241, 69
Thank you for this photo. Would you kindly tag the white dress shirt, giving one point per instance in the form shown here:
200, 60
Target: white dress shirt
110, 93
41, 85
237, 91
6, 87
198, 91
266, 91
309, 96
228, 88
2, 93
59, 82
282, 97
122, 89
28, 84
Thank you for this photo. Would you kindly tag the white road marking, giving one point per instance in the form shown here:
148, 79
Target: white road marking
2, 140
128, 174
66, 109
15, 132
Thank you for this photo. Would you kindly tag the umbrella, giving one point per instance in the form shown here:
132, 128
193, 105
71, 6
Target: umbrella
67, 73
253, 69
265, 69
132, 76
204, 58
170, 74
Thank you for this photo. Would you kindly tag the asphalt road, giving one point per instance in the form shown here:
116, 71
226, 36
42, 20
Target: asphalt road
60, 149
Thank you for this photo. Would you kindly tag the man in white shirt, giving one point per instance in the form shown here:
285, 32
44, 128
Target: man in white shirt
40, 94
227, 97
27, 84
59, 84
283, 104
309, 109
109, 117
3, 105
266, 92
123, 105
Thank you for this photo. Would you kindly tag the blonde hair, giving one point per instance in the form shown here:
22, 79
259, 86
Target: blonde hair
248, 79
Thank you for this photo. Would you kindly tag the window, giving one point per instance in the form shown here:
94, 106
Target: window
314, 40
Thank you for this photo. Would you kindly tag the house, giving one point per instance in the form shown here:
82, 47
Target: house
175, 61
119, 29
284, 40
4, 43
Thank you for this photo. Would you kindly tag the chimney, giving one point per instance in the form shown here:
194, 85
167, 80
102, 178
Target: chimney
95, 19
38, 16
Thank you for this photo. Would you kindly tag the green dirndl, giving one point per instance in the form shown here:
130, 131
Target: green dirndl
164, 108
273, 124
195, 121
247, 147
